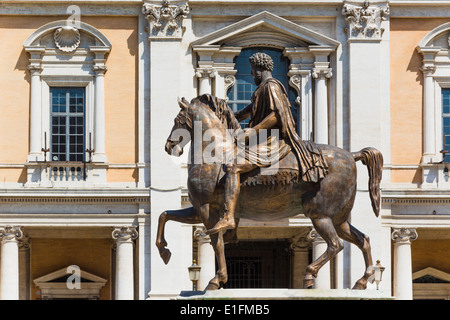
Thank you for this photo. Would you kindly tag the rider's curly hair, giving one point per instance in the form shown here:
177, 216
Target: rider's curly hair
262, 60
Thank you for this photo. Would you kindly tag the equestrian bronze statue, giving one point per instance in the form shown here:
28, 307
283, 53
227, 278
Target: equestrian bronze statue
265, 172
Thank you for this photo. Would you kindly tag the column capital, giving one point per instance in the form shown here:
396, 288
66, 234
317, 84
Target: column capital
404, 235
100, 70
11, 233
35, 69
206, 73
364, 19
322, 73
428, 70
200, 235
124, 234
300, 242
165, 21
314, 236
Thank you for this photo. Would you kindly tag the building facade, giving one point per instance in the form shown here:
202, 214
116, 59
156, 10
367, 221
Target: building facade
88, 91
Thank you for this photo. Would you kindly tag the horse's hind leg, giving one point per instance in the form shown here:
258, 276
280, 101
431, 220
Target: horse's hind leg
188, 215
325, 228
349, 233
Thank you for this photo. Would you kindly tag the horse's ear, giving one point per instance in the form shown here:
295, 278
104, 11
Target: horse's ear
183, 103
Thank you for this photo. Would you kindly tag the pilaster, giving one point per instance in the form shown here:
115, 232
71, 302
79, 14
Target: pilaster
367, 28
299, 247
166, 53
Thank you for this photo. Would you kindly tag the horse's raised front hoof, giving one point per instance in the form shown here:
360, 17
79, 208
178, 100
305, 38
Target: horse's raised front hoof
165, 255
360, 285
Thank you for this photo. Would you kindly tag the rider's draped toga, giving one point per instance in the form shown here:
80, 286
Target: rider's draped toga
271, 96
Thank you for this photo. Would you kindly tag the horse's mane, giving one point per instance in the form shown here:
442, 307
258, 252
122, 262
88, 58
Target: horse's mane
221, 109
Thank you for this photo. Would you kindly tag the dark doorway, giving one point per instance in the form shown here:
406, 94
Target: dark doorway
258, 264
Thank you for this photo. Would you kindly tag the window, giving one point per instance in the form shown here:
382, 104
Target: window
67, 113
239, 96
446, 121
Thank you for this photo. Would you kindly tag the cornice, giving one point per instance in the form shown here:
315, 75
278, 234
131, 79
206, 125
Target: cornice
80, 200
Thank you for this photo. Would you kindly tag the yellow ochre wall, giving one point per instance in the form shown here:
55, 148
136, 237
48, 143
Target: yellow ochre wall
406, 94
120, 92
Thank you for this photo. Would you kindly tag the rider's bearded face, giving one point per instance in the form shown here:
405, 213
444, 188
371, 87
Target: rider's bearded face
257, 74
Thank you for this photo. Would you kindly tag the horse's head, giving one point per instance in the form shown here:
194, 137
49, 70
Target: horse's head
180, 134
213, 114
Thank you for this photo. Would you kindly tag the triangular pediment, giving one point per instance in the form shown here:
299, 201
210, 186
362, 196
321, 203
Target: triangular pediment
265, 25
61, 275
431, 275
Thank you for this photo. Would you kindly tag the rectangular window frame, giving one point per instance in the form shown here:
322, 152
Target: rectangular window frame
86, 82
68, 120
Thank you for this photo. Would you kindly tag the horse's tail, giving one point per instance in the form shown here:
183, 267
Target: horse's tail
373, 159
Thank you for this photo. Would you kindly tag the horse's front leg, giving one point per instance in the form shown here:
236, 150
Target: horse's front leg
210, 218
188, 215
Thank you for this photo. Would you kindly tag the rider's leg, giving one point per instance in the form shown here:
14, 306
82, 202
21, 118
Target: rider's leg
232, 188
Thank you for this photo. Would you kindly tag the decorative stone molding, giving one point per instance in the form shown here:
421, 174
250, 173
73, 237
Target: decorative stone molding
67, 38
230, 80
295, 81
11, 233
124, 234
404, 235
364, 20
165, 21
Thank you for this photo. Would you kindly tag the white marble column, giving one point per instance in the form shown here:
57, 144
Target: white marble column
403, 287
300, 259
319, 246
35, 113
321, 105
99, 114
124, 237
205, 78
429, 140
206, 258
9, 275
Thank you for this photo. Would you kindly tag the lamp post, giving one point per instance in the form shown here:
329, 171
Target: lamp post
378, 272
194, 274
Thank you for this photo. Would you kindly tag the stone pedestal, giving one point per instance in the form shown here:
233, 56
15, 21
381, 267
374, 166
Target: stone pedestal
285, 294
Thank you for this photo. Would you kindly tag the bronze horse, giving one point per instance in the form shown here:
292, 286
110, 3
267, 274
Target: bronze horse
327, 203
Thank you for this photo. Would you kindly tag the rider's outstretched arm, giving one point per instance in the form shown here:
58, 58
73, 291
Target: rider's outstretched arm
268, 122
244, 113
